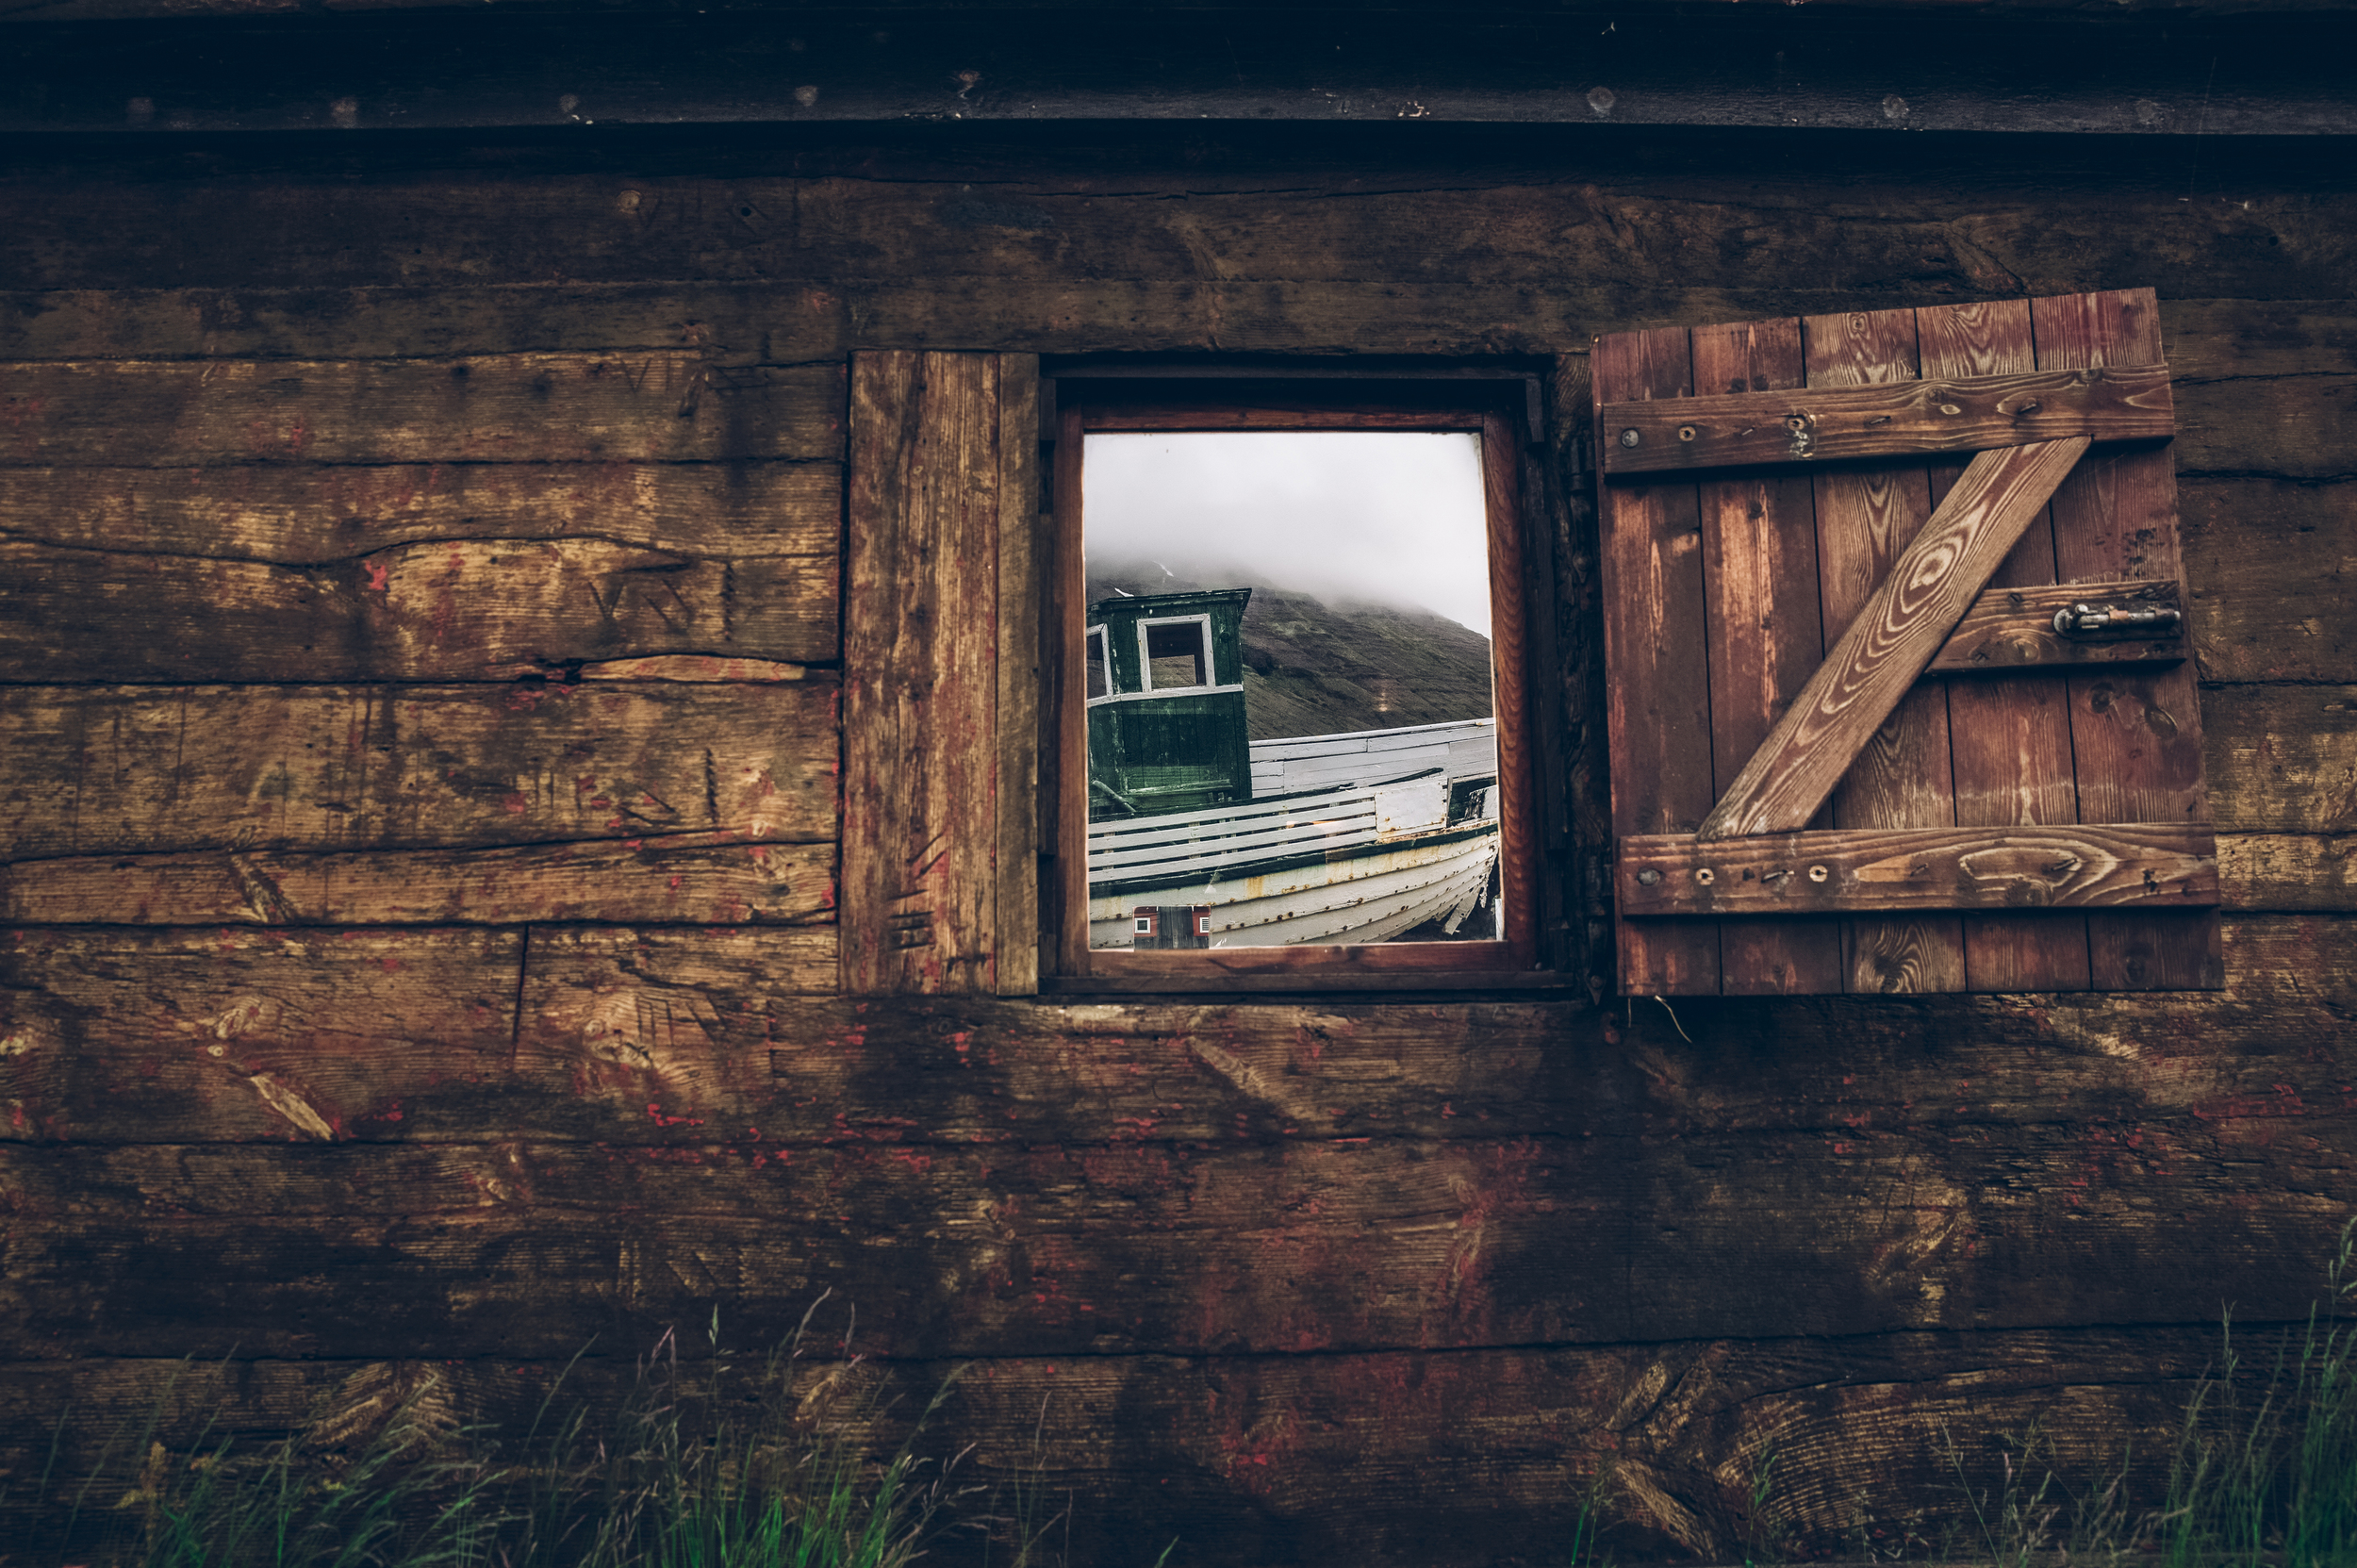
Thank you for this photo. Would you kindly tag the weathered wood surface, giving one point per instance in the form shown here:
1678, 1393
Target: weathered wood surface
498, 409
1657, 693
1167, 1248
1765, 635
109, 1035
561, 1039
2280, 759
1866, 517
944, 452
2135, 734
2164, 866
720, 877
2224, 350
1869, 671
456, 610
304, 514
1362, 1457
1714, 67
1914, 418
2288, 871
1522, 752
2268, 564
2229, 352
2010, 758
2010, 629
1024, 846
122, 769
715, 878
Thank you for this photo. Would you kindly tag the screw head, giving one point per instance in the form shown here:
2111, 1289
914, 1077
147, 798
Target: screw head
1630, 437
1794, 421
1705, 875
1647, 877
1686, 433
1818, 873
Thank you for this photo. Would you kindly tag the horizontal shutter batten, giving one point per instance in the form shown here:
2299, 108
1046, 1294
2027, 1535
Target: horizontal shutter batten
2152, 865
1886, 420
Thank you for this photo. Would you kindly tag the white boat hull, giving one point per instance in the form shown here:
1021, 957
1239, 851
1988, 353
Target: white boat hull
1370, 893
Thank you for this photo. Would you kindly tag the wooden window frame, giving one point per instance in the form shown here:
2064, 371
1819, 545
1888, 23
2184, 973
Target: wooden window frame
1068, 964
1102, 637
1202, 623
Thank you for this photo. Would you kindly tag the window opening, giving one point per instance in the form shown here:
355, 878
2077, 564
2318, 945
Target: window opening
1306, 751
1176, 654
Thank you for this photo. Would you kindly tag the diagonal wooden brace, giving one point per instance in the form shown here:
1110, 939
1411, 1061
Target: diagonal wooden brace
1892, 640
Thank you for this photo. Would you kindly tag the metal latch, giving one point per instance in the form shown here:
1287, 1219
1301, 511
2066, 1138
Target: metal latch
2085, 620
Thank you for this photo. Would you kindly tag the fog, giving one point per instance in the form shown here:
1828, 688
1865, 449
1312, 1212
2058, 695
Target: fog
1381, 517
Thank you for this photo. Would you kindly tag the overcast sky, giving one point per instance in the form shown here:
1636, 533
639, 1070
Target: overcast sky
1393, 517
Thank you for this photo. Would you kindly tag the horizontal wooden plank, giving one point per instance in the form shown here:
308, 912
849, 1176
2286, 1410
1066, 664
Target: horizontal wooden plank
2273, 567
2288, 871
1903, 624
2212, 341
1123, 1248
2162, 865
108, 1033
500, 408
2013, 629
1385, 1458
124, 769
2281, 758
719, 878
1887, 419
465, 609
303, 513
277, 1036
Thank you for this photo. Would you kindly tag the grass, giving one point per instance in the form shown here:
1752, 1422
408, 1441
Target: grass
690, 1471
2262, 1474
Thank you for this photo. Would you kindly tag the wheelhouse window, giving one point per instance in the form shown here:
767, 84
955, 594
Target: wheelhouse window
1176, 654
1300, 747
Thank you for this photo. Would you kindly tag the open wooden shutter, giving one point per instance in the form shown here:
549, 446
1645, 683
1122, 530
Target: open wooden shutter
1862, 738
941, 675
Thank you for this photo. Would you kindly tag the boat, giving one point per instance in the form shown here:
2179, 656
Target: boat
1199, 837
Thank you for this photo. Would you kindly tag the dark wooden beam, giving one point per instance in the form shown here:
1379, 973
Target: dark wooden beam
1944, 68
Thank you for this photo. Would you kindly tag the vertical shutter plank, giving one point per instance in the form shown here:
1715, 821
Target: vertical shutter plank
929, 473
1865, 518
1765, 637
2010, 735
1658, 706
2136, 735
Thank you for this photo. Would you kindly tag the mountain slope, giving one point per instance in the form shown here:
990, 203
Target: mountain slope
1311, 668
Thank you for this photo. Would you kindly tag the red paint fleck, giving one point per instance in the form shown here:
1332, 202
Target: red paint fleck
517, 805
378, 572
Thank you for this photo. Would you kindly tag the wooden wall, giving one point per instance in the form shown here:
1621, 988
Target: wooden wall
419, 688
